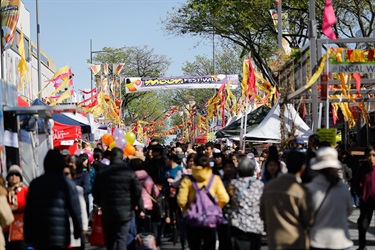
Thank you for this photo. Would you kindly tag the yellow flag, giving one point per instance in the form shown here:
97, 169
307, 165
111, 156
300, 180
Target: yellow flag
22, 66
245, 69
64, 96
65, 84
61, 73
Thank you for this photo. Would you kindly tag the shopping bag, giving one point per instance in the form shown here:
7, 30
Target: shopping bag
146, 239
96, 238
16, 228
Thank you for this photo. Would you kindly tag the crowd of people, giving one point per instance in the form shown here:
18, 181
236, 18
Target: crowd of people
206, 197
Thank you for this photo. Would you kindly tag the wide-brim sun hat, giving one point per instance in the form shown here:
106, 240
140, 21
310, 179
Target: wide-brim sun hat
326, 157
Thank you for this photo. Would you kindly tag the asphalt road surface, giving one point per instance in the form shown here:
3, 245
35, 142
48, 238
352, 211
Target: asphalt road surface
352, 220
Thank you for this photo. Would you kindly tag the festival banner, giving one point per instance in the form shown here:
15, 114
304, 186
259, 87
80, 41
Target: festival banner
352, 67
10, 13
138, 84
343, 60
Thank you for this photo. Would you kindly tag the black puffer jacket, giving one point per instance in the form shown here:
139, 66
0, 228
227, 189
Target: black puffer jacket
117, 191
51, 199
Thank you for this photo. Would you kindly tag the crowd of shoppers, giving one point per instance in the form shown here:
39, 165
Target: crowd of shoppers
156, 190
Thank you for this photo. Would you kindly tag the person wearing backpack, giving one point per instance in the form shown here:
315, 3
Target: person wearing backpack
197, 193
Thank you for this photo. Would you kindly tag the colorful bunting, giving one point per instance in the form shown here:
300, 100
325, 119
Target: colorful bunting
117, 67
95, 68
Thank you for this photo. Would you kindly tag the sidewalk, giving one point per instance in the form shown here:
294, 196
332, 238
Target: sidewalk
165, 245
352, 230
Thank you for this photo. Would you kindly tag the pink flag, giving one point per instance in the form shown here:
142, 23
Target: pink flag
329, 19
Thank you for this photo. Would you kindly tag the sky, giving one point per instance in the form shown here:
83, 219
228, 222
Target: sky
66, 27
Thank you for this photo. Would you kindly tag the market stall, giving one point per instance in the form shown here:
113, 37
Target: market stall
66, 136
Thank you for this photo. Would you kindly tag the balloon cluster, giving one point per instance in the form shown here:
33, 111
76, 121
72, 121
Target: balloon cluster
89, 153
121, 140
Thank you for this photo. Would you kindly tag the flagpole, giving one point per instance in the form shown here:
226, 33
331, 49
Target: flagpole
241, 131
38, 51
279, 24
90, 65
245, 125
314, 87
327, 92
2, 50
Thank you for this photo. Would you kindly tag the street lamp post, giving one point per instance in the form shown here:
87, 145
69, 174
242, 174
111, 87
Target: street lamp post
98, 52
38, 51
94, 52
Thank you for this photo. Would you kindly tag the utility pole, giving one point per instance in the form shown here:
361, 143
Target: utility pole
38, 51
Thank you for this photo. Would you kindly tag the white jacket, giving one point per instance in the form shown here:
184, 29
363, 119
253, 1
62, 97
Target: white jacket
85, 219
330, 229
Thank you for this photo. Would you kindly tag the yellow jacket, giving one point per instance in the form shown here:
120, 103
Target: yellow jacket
202, 175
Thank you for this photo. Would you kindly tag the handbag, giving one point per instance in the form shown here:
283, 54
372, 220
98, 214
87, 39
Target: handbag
96, 238
158, 205
16, 228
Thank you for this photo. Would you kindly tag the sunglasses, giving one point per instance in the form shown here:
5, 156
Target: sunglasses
67, 173
14, 174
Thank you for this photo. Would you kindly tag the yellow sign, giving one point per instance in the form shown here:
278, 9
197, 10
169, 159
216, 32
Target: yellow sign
327, 134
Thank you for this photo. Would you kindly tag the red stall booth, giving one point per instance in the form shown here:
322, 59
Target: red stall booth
66, 136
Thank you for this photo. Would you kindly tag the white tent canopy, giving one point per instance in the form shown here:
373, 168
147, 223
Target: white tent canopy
77, 117
269, 128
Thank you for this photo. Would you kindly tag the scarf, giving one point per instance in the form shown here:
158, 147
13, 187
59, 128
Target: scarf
12, 193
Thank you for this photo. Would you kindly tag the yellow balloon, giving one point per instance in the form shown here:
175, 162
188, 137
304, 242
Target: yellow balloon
130, 137
112, 145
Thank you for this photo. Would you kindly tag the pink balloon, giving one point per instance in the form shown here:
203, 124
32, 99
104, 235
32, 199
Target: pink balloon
90, 155
79, 152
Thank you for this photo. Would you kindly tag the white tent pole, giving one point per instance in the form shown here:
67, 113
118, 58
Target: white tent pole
245, 127
327, 97
242, 131
320, 116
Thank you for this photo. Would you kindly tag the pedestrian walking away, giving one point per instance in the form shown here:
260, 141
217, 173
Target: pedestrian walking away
117, 191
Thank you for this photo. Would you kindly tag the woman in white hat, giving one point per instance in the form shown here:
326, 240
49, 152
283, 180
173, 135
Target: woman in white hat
17, 193
332, 202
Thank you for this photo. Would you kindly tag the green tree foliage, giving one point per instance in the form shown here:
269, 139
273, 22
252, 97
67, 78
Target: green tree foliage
248, 23
227, 61
139, 62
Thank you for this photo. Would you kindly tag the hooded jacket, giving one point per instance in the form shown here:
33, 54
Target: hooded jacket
52, 199
202, 175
